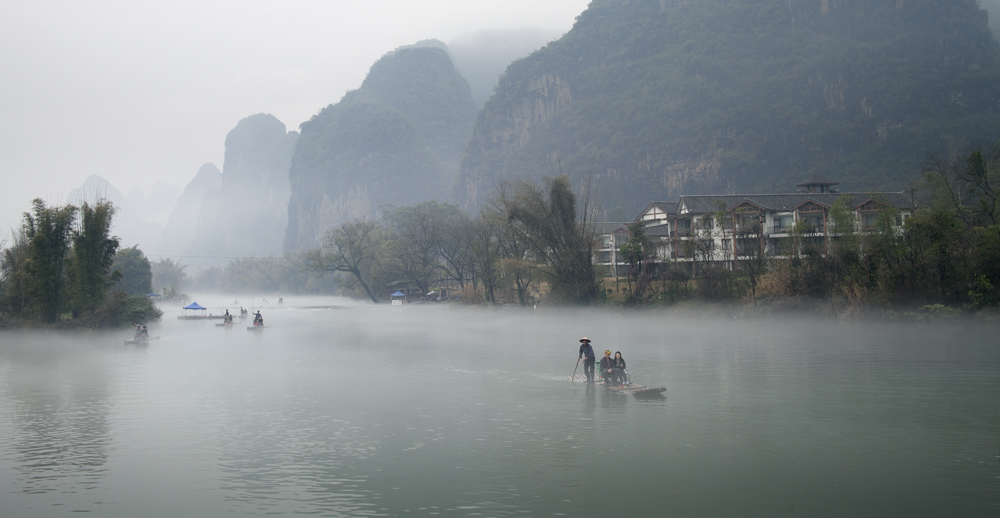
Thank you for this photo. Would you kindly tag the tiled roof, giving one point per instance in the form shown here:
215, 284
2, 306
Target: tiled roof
608, 227
787, 202
657, 230
670, 207
817, 180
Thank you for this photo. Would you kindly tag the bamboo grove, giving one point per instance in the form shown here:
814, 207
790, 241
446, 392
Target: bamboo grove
60, 270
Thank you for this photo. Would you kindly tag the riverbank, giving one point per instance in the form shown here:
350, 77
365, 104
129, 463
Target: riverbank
119, 312
685, 296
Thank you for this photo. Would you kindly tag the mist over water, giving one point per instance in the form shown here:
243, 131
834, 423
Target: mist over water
341, 409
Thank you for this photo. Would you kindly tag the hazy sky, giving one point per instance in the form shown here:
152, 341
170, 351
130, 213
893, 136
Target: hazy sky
145, 91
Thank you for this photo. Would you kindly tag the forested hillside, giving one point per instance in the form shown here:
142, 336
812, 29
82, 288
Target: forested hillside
396, 140
654, 98
993, 8
481, 57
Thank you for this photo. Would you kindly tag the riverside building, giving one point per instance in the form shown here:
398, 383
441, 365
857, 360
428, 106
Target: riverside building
731, 230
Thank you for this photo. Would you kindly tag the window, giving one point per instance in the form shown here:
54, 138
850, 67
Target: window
785, 224
870, 219
812, 223
683, 227
781, 246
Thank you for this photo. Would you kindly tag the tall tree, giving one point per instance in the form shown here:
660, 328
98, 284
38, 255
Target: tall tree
89, 270
14, 278
413, 255
48, 232
456, 244
351, 248
135, 271
969, 185
634, 253
485, 251
751, 260
504, 254
549, 220
169, 276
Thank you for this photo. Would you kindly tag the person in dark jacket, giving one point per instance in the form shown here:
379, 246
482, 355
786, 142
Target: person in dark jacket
587, 353
607, 369
618, 368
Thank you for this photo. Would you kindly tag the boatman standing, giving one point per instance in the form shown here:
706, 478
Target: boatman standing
587, 353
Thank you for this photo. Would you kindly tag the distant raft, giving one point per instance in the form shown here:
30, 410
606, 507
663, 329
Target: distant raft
631, 388
141, 341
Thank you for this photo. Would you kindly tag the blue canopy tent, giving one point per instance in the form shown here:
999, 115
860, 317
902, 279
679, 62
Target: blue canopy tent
194, 306
398, 298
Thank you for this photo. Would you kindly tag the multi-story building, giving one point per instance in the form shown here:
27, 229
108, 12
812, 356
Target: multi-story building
727, 230
610, 238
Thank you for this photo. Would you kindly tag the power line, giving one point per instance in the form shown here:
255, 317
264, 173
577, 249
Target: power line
202, 254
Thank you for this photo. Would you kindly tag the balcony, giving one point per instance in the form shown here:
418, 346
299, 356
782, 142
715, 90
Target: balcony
813, 229
781, 229
753, 229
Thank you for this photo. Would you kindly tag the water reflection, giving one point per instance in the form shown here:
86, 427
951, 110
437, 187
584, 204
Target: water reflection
58, 401
434, 410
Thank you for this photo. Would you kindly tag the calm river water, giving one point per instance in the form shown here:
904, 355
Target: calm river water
340, 409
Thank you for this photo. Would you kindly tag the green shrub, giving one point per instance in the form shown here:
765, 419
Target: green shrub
122, 310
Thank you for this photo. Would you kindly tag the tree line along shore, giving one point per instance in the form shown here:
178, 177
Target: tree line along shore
532, 243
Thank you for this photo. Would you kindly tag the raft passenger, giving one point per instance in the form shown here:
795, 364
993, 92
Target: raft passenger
607, 369
618, 369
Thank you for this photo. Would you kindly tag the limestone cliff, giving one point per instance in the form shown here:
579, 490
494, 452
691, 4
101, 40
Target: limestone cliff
242, 211
397, 140
180, 229
649, 99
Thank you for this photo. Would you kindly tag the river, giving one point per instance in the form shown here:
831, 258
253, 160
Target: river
346, 409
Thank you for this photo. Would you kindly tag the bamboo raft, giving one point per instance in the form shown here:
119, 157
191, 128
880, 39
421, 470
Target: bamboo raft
227, 324
632, 388
143, 341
